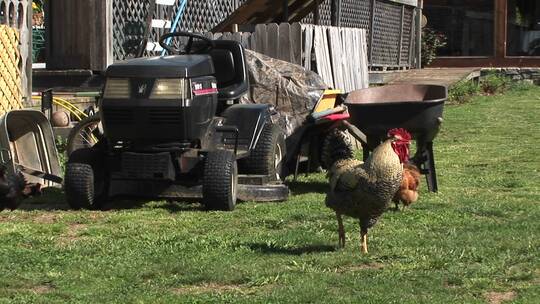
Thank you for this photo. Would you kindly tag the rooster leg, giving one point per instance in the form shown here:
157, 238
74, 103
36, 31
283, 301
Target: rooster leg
363, 239
341, 230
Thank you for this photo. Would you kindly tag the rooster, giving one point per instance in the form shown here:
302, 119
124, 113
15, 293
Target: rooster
408, 191
364, 190
14, 188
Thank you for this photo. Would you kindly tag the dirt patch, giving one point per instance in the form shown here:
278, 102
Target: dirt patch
449, 285
5, 218
72, 234
46, 218
218, 288
368, 266
499, 297
42, 289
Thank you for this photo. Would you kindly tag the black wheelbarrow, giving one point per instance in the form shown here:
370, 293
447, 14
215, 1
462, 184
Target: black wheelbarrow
417, 108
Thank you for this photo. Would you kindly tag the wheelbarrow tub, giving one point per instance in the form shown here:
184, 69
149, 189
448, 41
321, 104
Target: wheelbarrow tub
27, 145
417, 108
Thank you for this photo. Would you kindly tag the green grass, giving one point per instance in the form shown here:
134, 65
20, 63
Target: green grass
478, 235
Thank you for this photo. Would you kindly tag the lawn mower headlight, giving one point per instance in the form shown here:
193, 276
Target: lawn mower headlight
117, 88
170, 89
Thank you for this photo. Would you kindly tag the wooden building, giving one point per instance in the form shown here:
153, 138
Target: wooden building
486, 33
91, 34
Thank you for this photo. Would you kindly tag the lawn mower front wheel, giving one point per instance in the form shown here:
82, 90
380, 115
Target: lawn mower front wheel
220, 180
84, 183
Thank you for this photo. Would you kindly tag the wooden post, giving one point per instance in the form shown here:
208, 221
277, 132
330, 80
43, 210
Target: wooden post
285, 14
108, 26
48, 35
418, 46
400, 43
336, 12
371, 31
316, 16
79, 34
501, 13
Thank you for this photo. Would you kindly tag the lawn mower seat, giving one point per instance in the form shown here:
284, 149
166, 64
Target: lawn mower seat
230, 69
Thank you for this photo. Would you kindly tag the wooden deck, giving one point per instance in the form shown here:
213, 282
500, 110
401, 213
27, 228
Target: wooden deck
440, 76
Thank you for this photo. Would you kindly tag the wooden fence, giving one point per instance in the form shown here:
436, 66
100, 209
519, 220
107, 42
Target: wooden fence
338, 55
10, 77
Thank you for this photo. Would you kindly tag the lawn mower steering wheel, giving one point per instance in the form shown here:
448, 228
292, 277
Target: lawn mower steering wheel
207, 44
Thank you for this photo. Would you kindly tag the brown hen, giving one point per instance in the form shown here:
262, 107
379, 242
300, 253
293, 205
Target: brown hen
408, 191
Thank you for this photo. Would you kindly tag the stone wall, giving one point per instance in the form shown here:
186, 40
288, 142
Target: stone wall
531, 75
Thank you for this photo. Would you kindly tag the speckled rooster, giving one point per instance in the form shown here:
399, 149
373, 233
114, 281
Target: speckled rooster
364, 190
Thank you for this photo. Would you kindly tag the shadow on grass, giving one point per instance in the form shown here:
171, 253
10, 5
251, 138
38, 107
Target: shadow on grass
138, 203
53, 199
304, 187
276, 249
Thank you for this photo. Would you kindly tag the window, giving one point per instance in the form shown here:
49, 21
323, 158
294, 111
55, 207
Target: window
523, 33
468, 26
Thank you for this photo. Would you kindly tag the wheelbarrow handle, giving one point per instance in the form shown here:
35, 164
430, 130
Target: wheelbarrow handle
3, 160
355, 132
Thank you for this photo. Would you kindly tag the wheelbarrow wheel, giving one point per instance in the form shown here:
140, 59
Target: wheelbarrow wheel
220, 180
85, 134
85, 183
337, 145
268, 155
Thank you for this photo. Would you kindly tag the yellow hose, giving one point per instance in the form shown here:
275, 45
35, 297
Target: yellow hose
72, 109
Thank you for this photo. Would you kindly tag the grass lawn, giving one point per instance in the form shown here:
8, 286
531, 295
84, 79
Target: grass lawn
476, 241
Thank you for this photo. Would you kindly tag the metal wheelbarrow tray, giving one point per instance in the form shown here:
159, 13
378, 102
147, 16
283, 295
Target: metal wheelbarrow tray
417, 108
27, 145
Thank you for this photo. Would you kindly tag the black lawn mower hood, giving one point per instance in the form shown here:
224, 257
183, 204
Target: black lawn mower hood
176, 66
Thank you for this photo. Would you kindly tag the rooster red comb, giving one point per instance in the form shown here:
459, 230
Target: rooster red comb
404, 134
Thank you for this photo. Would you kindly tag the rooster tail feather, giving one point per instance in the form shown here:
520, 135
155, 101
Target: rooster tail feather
337, 146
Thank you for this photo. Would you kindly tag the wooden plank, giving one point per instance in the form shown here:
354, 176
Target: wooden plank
285, 51
246, 40
266, 11
295, 38
347, 45
336, 57
227, 36
79, 33
501, 12
237, 37
217, 36
322, 55
260, 38
364, 58
308, 32
272, 47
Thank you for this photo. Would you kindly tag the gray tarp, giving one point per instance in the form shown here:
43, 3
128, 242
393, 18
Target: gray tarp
292, 90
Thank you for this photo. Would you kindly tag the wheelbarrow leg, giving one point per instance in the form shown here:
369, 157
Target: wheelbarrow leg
425, 161
368, 147
431, 175
365, 151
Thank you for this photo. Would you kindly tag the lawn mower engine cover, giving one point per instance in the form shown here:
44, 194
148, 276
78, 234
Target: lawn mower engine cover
159, 100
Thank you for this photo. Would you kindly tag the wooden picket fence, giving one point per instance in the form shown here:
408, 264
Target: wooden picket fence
10, 70
339, 55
